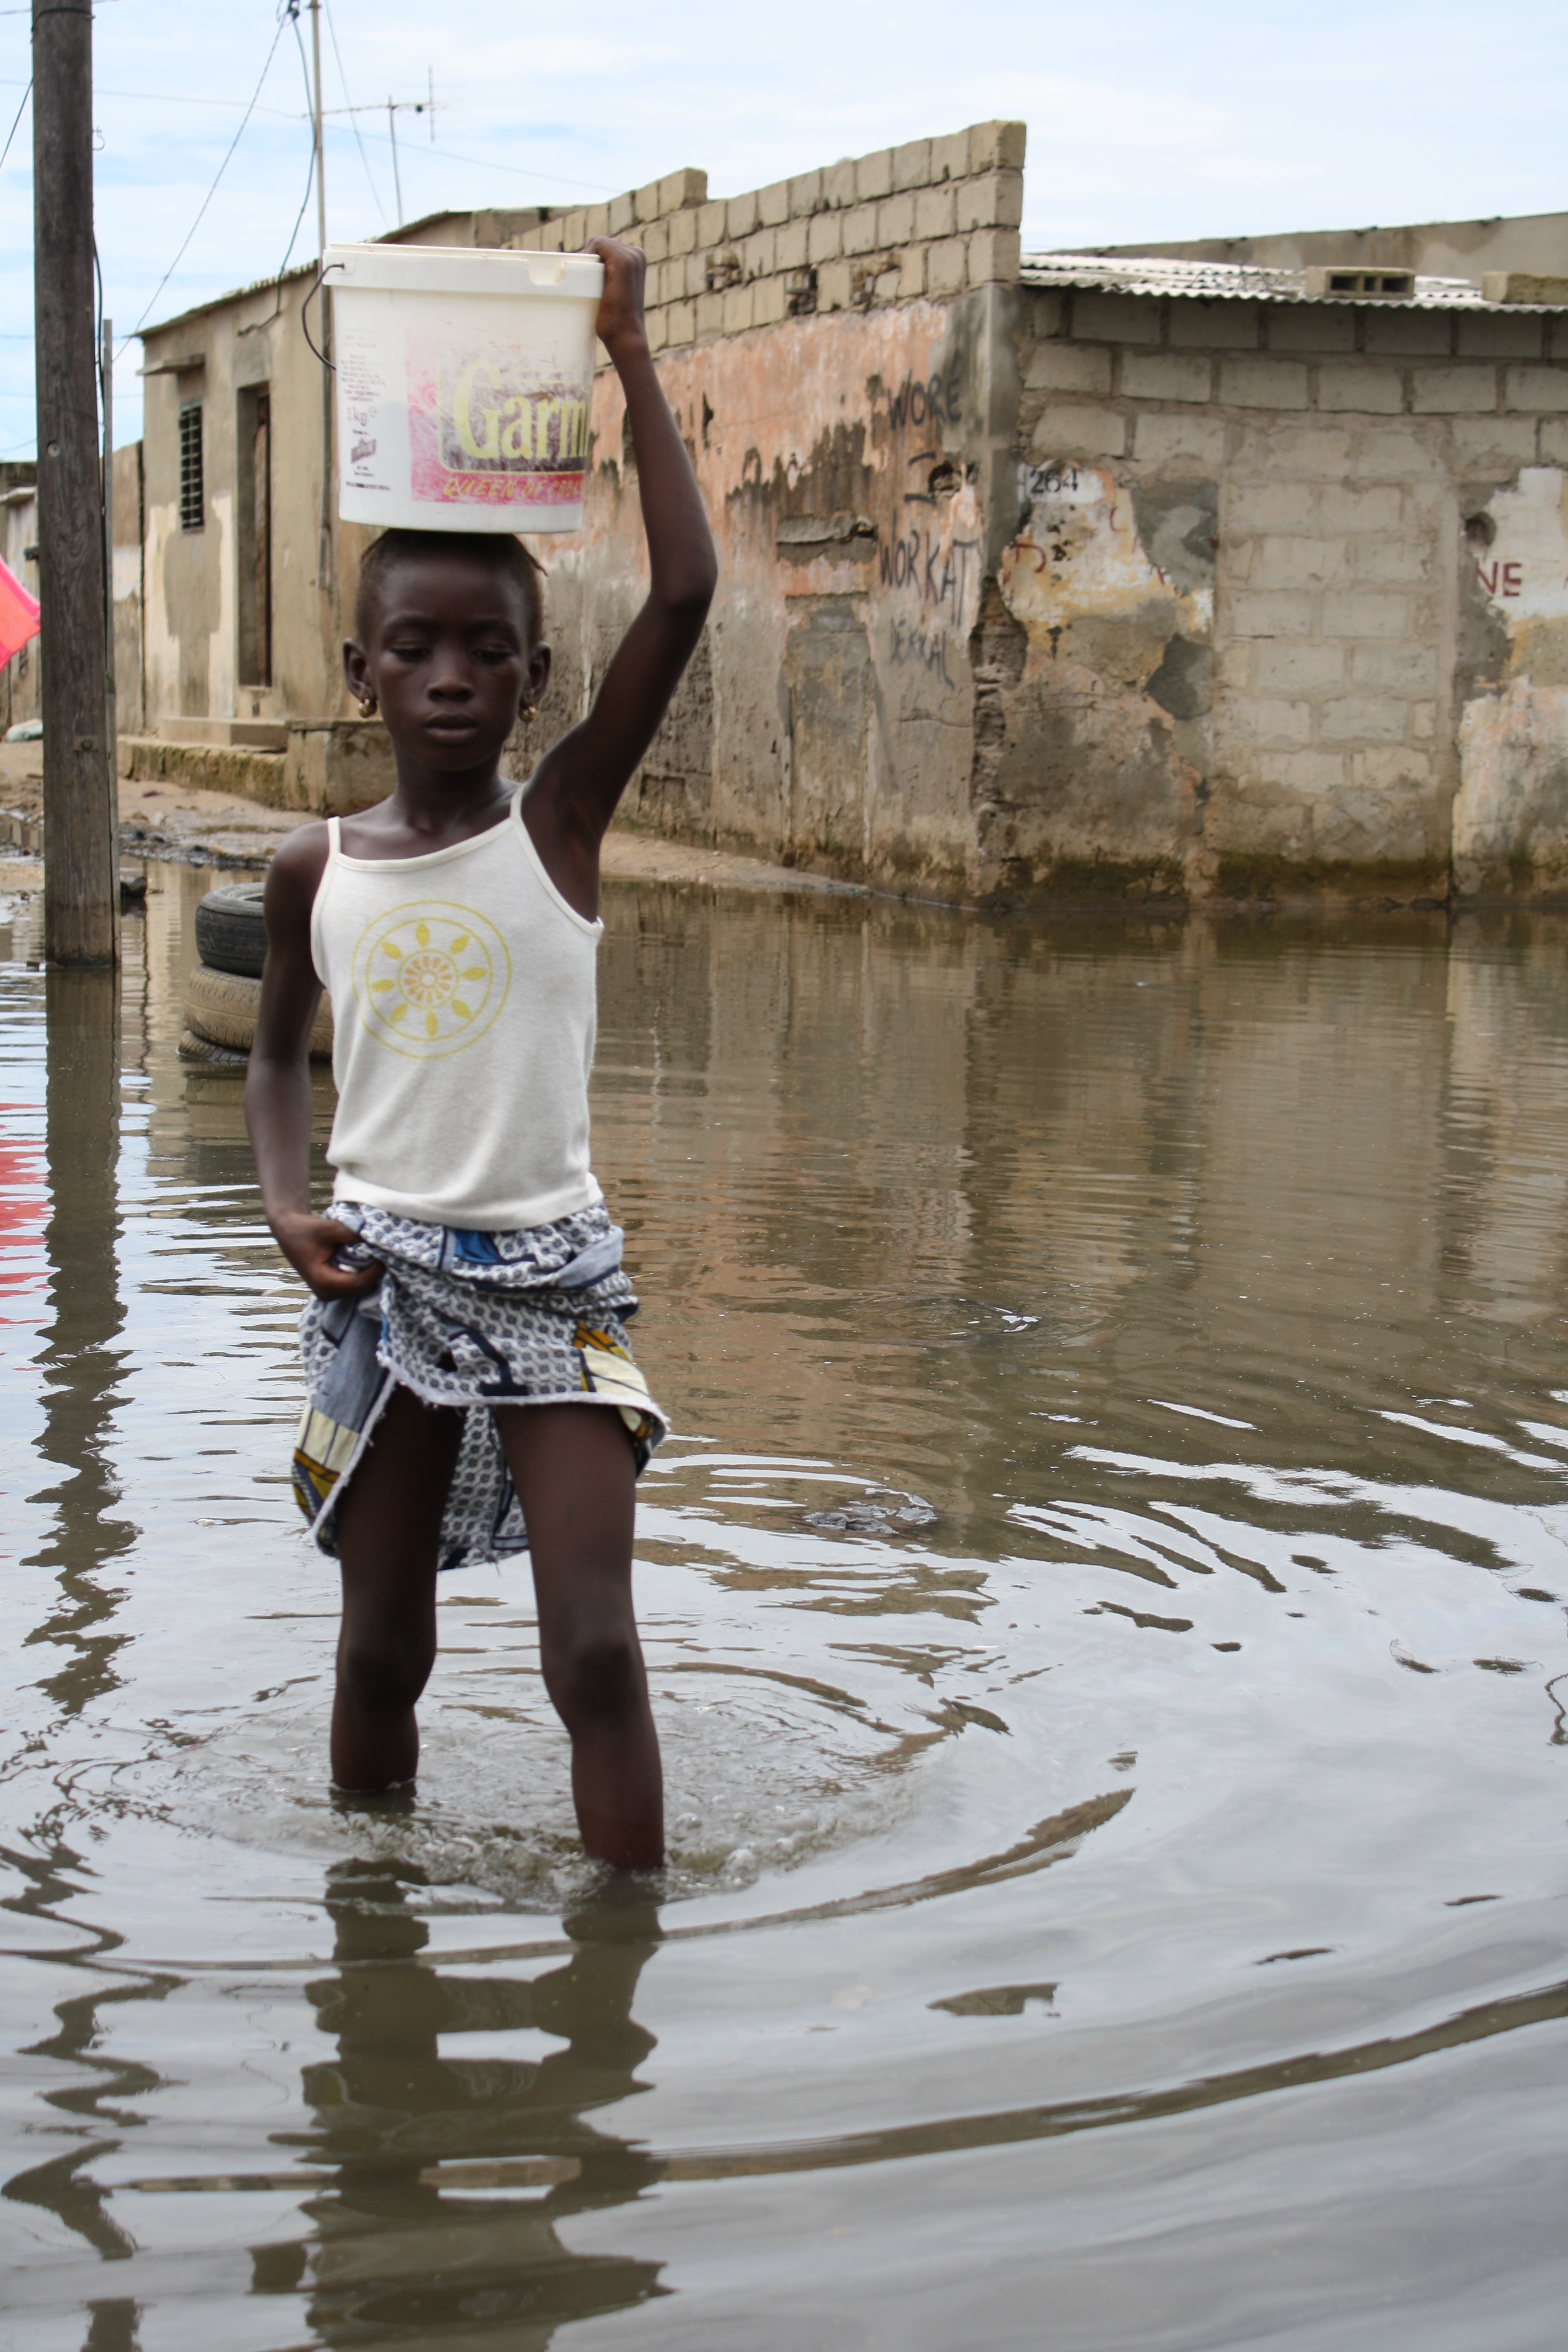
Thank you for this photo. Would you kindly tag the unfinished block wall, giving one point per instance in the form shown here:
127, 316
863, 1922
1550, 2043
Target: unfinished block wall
1302, 568
1034, 591
930, 218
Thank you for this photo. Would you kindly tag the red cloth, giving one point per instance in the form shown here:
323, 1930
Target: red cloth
19, 615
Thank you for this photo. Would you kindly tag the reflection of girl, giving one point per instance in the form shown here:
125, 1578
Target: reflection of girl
456, 927
400, 2099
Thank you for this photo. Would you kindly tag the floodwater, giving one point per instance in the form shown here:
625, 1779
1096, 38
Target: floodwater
1106, 1613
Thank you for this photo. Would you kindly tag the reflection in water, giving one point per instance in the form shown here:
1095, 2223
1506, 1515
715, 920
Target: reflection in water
80, 1366
457, 2137
81, 1371
1126, 1883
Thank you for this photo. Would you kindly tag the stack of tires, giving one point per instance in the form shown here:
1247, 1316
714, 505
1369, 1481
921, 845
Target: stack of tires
224, 991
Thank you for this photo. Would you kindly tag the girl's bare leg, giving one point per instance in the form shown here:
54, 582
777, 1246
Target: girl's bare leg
573, 1467
389, 1523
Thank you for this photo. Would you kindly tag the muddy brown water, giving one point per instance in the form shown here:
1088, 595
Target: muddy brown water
1125, 1909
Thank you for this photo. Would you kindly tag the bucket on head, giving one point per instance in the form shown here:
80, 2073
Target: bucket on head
464, 381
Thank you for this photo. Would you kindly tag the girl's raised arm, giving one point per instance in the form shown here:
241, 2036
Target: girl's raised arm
580, 781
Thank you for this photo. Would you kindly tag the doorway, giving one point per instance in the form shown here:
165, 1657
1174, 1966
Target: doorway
254, 505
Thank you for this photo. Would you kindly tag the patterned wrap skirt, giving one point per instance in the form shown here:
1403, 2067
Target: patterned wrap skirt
473, 1320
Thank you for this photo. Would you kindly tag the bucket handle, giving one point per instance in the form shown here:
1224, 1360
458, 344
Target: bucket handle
305, 312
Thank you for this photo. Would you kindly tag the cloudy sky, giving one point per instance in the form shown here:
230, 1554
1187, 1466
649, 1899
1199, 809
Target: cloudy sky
1219, 117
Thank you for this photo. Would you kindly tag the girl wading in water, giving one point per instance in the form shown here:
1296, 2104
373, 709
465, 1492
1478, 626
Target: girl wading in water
465, 1348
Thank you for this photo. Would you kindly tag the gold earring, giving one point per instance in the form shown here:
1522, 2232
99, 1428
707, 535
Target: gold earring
529, 710
367, 705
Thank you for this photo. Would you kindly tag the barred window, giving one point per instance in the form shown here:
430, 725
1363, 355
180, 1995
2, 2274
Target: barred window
190, 514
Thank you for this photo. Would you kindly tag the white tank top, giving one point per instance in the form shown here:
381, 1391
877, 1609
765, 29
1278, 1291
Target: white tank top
463, 1012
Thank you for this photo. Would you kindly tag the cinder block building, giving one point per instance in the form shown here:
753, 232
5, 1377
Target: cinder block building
1169, 577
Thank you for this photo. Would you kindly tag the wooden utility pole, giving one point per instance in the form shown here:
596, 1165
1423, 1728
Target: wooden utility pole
324, 540
81, 909
112, 696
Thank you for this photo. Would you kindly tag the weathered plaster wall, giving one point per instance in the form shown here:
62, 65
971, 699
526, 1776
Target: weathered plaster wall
1106, 736
1024, 590
18, 532
936, 215
1287, 709
1025, 594
830, 712
191, 578
1510, 819
18, 546
126, 588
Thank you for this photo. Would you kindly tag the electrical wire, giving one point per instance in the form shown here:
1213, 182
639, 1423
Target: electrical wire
4, 150
354, 120
169, 98
283, 114
256, 324
311, 174
98, 322
513, 171
286, 16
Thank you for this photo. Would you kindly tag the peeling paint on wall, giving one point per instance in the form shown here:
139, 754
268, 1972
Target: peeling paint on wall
222, 664
1102, 780
1523, 571
1079, 556
1510, 817
935, 667
828, 715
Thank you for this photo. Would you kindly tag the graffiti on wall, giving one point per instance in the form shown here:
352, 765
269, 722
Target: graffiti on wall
1081, 555
1510, 815
928, 562
930, 574
1520, 540
935, 562
921, 400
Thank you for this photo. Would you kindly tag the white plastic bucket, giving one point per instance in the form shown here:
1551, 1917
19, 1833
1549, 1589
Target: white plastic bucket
464, 381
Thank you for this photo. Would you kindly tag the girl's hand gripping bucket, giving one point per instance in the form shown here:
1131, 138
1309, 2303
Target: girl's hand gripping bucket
464, 384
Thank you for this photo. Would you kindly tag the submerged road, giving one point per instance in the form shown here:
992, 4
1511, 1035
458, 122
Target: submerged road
1106, 1613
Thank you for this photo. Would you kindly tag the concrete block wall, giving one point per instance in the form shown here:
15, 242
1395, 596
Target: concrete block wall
1024, 591
1350, 458
930, 218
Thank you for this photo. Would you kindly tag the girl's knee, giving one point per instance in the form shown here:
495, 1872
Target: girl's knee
382, 1668
595, 1676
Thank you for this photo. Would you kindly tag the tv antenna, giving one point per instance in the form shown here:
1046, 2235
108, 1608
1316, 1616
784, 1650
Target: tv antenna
392, 109
418, 106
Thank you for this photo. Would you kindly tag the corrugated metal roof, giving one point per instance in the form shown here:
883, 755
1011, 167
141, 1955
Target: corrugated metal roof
1246, 281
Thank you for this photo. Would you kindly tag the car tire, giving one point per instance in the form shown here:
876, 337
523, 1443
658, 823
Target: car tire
231, 929
211, 1057
222, 1006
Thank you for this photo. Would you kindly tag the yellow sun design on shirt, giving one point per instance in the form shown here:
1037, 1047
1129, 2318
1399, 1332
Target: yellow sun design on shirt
429, 978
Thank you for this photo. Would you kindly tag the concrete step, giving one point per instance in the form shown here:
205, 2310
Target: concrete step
331, 766
229, 734
212, 767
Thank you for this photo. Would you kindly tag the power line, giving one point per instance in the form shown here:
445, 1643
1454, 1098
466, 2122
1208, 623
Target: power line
352, 113
285, 16
513, 171
283, 114
166, 97
309, 183
26, 94
311, 174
